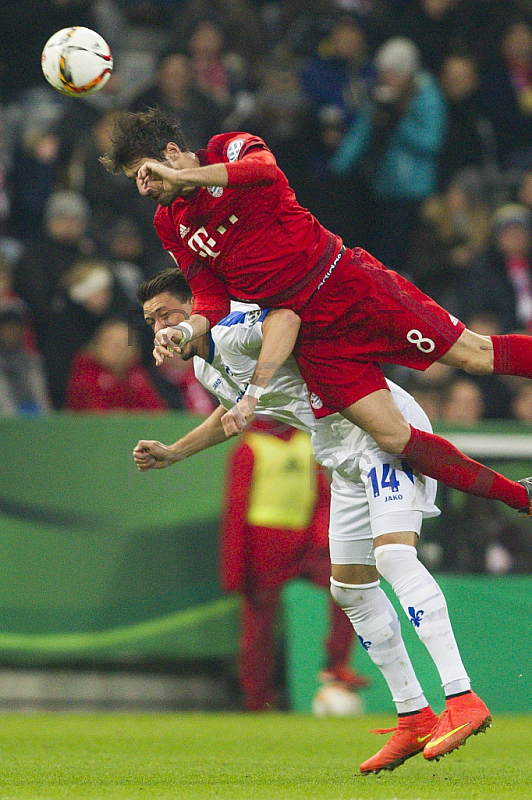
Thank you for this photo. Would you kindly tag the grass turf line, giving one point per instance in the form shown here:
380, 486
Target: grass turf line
246, 757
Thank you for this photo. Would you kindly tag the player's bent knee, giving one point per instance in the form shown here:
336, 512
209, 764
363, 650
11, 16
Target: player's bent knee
394, 442
386, 555
349, 595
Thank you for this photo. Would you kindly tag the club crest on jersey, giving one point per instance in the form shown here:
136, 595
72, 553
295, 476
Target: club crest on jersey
234, 148
215, 191
252, 317
315, 401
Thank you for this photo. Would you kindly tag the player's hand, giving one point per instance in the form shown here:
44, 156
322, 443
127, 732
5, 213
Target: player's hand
166, 344
152, 455
154, 176
239, 417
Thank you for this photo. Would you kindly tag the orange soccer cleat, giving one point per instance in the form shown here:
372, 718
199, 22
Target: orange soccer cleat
465, 716
410, 737
527, 483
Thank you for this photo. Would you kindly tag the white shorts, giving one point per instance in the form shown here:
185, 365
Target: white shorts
388, 498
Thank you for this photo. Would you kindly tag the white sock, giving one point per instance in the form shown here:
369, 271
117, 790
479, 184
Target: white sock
424, 603
379, 630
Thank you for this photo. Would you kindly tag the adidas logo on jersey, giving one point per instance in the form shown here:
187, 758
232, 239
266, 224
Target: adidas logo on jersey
183, 230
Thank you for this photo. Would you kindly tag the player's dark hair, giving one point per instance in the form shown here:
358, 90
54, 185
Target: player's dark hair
170, 280
142, 134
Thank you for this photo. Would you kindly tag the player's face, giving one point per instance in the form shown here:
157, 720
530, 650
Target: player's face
163, 311
158, 188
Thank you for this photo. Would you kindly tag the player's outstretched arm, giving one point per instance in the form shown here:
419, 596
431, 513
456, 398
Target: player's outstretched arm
150, 454
279, 333
153, 173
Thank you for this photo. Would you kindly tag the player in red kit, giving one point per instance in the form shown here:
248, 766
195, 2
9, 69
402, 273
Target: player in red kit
274, 528
236, 230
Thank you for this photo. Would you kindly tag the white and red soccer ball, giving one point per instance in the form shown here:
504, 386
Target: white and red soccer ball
77, 61
336, 700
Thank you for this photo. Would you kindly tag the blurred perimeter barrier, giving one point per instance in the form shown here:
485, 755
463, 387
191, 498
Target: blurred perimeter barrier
100, 563
491, 618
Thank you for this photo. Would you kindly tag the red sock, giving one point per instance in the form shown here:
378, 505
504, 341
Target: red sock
438, 458
512, 355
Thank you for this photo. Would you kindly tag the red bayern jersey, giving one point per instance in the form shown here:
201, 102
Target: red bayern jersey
253, 243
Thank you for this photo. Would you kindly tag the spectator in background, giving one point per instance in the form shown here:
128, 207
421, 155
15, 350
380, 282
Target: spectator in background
22, 381
501, 283
522, 401
174, 90
242, 24
428, 388
507, 87
76, 122
497, 394
106, 375
340, 75
282, 117
495, 544
336, 81
395, 141
439, 27
220, 74
88, 294
33, 178
125, 246
108, 199
274, 529
462, 402
452, 232
64, 240
464, 143
524, 189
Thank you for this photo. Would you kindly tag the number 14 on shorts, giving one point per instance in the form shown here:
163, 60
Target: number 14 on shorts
389, 479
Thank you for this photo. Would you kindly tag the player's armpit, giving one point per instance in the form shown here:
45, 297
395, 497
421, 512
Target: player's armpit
211, 299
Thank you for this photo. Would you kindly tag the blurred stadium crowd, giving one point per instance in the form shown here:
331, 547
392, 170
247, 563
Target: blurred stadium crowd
405, 126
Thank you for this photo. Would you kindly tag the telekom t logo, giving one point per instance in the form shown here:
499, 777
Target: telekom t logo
202, 242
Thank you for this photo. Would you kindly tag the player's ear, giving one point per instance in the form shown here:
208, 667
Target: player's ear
172, 151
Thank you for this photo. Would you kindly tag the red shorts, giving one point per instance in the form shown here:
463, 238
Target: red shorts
362, 315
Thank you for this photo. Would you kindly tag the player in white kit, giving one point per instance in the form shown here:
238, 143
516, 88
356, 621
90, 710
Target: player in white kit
377, 508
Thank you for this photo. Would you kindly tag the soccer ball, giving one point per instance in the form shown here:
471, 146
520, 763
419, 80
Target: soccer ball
77, 61
336, 700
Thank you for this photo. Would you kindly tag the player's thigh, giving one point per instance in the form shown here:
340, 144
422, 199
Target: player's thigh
378, 415
350, 537
398, 498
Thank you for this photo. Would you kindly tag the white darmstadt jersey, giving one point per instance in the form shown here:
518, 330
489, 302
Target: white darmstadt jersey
337, 443
235, 346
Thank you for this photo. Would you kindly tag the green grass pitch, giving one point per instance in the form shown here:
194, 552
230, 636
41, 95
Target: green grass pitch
246, 757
